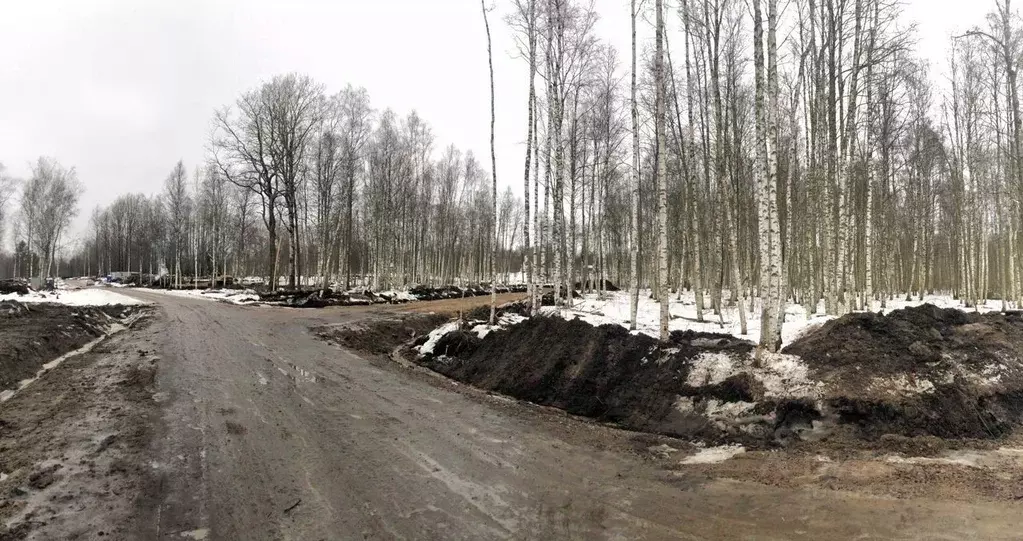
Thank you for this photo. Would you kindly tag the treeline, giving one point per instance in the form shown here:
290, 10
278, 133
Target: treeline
318, 188
801, 154
47, 202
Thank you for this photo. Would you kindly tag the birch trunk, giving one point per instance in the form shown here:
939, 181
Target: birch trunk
634, 229
493, 175
771, 337
662, 181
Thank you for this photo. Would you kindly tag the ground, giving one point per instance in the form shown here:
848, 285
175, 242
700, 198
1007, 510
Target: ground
214, 421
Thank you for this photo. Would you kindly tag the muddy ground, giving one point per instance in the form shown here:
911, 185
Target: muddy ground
259, 429
387, 329
923, 402
73, 444
34, 334
380, 336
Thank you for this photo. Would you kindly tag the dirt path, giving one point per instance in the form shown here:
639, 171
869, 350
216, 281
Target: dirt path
286, 437
267, 432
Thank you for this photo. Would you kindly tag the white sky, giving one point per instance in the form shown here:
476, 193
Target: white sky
122, 89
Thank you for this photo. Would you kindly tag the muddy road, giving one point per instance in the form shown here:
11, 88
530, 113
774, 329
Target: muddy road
264, 431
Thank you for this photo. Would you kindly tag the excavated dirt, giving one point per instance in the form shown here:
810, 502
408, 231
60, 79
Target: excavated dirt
921, 371
317, 298
482, 312
34, 334
381, 336
601, 372
884, 381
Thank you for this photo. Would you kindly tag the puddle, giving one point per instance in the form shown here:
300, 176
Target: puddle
201, 533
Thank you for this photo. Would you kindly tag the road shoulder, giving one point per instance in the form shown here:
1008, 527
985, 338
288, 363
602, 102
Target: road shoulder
74, 445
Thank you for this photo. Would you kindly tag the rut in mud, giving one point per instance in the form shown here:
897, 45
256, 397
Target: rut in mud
34, 334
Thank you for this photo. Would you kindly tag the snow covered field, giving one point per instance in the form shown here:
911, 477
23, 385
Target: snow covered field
614, 309
74, 297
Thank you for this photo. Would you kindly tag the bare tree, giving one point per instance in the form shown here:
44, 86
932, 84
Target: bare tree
526, 19
49, 203
178, 202
634, 231
7, 191
493, 175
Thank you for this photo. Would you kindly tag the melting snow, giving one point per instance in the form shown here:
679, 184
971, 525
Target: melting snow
503, 321
709, 368
74, 297
435, 336
786, 376
614, 309
233, 296
713, 455
902, 384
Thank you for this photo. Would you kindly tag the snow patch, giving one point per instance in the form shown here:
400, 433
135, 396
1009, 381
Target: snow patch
503, 322
435, 336
710, 368
901, 384
714, 455
786, 376
782, 376
613, 309
399, 296
74, 297
717, 409
233, 296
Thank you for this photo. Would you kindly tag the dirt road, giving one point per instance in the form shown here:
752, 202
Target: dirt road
270, 433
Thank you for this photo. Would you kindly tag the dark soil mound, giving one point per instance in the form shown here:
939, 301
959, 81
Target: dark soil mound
602, 372
13, 285
381, 336
34, 334
608, 285
457, 344
482, 313
908, 339
921, 371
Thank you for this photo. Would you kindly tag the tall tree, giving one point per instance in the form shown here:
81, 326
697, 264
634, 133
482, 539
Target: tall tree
662, 171
634, 229
493, 168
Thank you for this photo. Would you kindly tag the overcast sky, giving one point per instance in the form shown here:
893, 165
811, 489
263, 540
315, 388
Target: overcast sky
122, 89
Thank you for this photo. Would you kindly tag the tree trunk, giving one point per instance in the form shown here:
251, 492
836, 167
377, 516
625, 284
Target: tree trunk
634, 229
493, 163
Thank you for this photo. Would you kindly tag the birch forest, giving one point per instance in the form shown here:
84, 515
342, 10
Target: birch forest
757, 152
